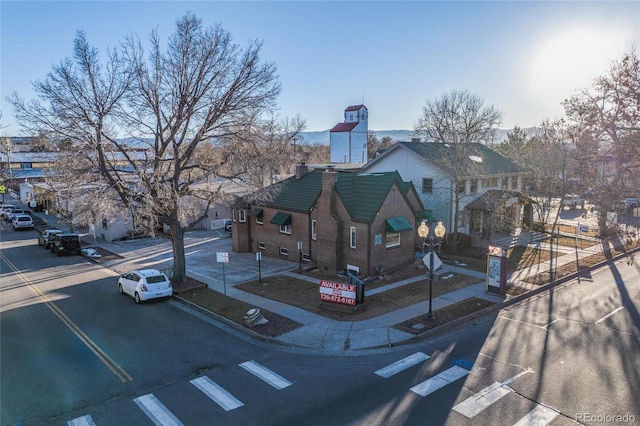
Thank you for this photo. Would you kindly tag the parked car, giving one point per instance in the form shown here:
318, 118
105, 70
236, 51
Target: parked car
22, 221
65, 243
7, 207
14, 213
45, 238
227, 225
145, 284
631, 203
573, 201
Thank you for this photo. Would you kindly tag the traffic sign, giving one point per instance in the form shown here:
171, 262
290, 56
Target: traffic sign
222, 257
436, 261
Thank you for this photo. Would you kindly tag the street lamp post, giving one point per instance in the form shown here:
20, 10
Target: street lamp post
423, 232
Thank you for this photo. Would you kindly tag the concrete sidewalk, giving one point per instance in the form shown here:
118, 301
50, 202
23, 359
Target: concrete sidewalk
317, 332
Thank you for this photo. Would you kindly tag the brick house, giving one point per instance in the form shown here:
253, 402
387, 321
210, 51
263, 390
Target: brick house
342, 220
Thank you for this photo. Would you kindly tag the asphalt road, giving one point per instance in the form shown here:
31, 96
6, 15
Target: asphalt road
74, 350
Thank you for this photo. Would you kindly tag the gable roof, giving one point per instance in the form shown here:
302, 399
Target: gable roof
476, 159
355, 107
344, 127
361, 194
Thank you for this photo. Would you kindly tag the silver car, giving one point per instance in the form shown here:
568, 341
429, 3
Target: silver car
22, 221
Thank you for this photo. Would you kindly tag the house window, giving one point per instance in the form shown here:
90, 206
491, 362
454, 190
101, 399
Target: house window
243, 215
461, 187
393, 239
352, 237
234, 215
284, 251
259, 220
306, 257
285, 229
261, 245
314, 229
105, 224
474, 186
489, 183
427, 185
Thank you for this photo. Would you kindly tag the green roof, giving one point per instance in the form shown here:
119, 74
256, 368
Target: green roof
474, 159
362, 194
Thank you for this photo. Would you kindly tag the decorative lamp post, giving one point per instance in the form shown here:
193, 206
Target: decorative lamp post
438, 233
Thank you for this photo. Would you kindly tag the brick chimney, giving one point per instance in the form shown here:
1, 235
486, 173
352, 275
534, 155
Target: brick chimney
301, 170
329, 225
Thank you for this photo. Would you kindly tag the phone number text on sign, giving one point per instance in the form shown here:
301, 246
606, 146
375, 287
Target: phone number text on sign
338, 292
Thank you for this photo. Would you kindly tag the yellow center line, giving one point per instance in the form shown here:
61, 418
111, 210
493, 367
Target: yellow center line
102, 356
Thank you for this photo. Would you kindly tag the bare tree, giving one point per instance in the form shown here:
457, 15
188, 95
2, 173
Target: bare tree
188, 106
549, 152
607, 118
460, 118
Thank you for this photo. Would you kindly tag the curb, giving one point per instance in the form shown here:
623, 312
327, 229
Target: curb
235, 325
517, 299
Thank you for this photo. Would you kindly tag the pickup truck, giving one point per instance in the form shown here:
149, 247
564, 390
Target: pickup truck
572, 201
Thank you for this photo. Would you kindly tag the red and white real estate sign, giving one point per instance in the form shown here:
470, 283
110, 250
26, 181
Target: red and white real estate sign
338, 292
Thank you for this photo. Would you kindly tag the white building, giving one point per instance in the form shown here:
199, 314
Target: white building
348, 140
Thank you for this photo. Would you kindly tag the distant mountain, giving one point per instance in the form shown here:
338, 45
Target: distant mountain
322, 137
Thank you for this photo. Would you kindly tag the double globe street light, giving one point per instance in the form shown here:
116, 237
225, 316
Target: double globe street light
438, 233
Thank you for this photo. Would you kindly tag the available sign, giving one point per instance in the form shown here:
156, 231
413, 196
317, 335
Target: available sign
338, 292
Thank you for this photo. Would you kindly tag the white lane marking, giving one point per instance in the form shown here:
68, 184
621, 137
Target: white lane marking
265, 374
156, 411
82, 421
216, 393
513, 379
401, 365
440, 380
610, 314
539, 416
527, 323
473, 405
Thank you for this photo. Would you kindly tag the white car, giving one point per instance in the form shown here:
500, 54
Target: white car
7, 207
22, 221
6, 211
145, 284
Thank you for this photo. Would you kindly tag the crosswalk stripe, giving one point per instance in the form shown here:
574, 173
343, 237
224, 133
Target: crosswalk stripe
156, 411
473, 405
401, 365
82, 421
265, 374
539, 416
440, 380
217, 393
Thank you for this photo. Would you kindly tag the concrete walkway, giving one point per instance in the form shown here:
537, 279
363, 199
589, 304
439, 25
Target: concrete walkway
317, 332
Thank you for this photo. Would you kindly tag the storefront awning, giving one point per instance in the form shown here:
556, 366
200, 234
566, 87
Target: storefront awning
256, 213
425, 215
397, 224
281, 218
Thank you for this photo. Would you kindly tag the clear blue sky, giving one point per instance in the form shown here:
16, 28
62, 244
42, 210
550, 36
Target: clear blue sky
523, 57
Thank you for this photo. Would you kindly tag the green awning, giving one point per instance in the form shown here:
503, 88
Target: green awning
281, 218
256, 213
397, 224
426, 215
